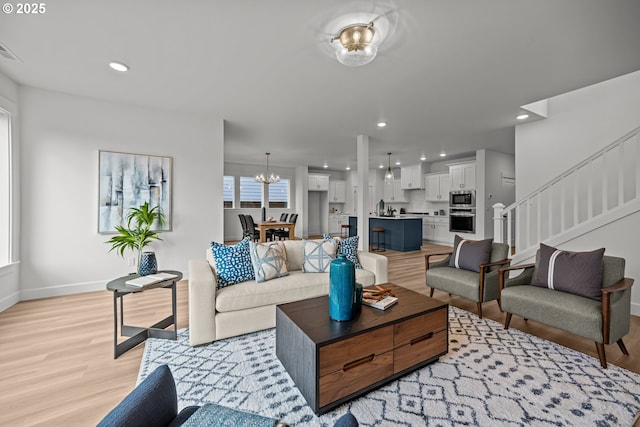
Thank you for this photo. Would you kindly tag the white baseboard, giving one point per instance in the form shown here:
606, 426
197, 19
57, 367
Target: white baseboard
56, 291
9, 301
635, 308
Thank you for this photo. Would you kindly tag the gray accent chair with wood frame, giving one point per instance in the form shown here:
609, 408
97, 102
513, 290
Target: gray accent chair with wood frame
479, 286
603, 322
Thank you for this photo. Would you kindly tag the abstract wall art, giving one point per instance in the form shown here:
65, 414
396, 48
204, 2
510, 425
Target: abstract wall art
128, 180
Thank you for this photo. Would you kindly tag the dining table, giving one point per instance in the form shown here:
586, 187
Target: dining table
263, 226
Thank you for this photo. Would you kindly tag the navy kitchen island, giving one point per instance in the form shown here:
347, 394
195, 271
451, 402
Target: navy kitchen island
400, 234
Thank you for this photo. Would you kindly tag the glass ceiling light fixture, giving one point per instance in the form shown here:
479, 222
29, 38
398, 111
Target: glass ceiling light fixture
354, 44
388, 176
268, 178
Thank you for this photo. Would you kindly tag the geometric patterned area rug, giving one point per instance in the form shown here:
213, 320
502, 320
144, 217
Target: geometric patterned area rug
490, 377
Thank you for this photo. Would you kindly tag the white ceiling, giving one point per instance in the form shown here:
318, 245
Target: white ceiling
449, 77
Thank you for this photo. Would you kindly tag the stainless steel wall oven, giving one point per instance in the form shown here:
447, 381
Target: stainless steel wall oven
462, 220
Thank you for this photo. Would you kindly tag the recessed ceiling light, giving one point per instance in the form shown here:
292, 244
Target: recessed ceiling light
380, 166
397, 163
119, 66
348, 168
522, 116
423, 158
382, 124
325, 165
443, 154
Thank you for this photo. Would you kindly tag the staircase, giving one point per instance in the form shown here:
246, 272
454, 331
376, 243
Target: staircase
597, 191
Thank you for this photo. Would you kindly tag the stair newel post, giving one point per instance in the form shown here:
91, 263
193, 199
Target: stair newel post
498, 223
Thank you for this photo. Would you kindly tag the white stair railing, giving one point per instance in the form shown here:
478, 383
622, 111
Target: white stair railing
596, 191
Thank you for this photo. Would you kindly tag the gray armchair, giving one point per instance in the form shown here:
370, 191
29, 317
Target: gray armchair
603, 322
479, 287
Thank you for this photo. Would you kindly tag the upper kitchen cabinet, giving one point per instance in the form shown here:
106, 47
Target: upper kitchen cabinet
318, 182
437, 187
463, 176
393, 193
337, 192
411, 177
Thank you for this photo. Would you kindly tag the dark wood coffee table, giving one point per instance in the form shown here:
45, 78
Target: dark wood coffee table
332, 362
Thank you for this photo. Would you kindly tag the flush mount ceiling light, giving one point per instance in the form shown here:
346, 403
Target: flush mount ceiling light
268, 178
118, 66
354, 44
388, 177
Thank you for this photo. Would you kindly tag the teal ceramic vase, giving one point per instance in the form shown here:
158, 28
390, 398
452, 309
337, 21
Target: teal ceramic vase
148, 264
342, 281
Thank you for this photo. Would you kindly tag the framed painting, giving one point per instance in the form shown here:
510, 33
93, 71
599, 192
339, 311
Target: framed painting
128, 180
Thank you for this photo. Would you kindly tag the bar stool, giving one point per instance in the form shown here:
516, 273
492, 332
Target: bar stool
377, 232
344, 232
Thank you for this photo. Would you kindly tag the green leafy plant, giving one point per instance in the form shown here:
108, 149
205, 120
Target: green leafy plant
138, 233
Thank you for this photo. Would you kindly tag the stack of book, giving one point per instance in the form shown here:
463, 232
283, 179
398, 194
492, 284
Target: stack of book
379, 298
142, 281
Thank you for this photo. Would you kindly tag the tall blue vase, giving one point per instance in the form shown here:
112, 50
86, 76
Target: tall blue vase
342, 282
148, 264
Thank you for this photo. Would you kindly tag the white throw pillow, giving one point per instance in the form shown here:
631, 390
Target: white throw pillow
269, 260
318, 255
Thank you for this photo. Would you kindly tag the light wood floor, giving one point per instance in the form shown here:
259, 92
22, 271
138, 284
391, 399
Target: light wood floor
56, 354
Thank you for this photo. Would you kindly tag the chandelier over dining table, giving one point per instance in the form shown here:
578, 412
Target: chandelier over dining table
268, 178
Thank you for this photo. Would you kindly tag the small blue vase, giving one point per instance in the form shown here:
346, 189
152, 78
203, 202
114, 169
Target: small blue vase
148, 264
342, 281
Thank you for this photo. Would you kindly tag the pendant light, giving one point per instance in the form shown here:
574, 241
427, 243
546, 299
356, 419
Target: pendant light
268, 178
388, 177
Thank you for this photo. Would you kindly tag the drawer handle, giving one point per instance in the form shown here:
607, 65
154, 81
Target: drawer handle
422, 338
358, 362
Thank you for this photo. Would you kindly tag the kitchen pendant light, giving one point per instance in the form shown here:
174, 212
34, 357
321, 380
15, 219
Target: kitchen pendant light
268, 178
388, 177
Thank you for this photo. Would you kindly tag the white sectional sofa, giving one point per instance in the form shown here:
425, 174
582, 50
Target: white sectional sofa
250, 306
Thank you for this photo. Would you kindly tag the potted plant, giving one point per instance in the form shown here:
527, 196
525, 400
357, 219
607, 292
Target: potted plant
138, 234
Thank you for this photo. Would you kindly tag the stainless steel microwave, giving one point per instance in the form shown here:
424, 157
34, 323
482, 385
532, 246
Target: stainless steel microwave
462, 199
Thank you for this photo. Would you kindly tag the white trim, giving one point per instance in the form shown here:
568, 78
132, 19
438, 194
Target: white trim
635, 308
60, 290
9, 301
10, 268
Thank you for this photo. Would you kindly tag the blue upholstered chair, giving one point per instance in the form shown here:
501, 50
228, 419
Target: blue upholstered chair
154, 403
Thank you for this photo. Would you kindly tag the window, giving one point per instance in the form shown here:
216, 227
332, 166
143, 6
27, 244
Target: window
279, 194
227, 191
5, 187
250, 193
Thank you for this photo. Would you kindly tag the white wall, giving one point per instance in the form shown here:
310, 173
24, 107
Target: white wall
10, 274
61, 135
496, 166
579, 124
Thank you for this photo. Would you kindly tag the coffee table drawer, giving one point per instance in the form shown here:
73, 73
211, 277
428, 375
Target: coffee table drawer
335, 357
420, 350
419, 327
357, 375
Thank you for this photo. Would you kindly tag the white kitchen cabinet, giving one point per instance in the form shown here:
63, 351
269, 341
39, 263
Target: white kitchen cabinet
335, 223
411, 177
437, 187
393, 192
337, 192
427, 229
441, 231
436, 229
463, 176
318, 182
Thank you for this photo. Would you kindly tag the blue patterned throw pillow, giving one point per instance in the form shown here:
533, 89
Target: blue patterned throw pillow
348, 247
318, 255
269, 260
233, 263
